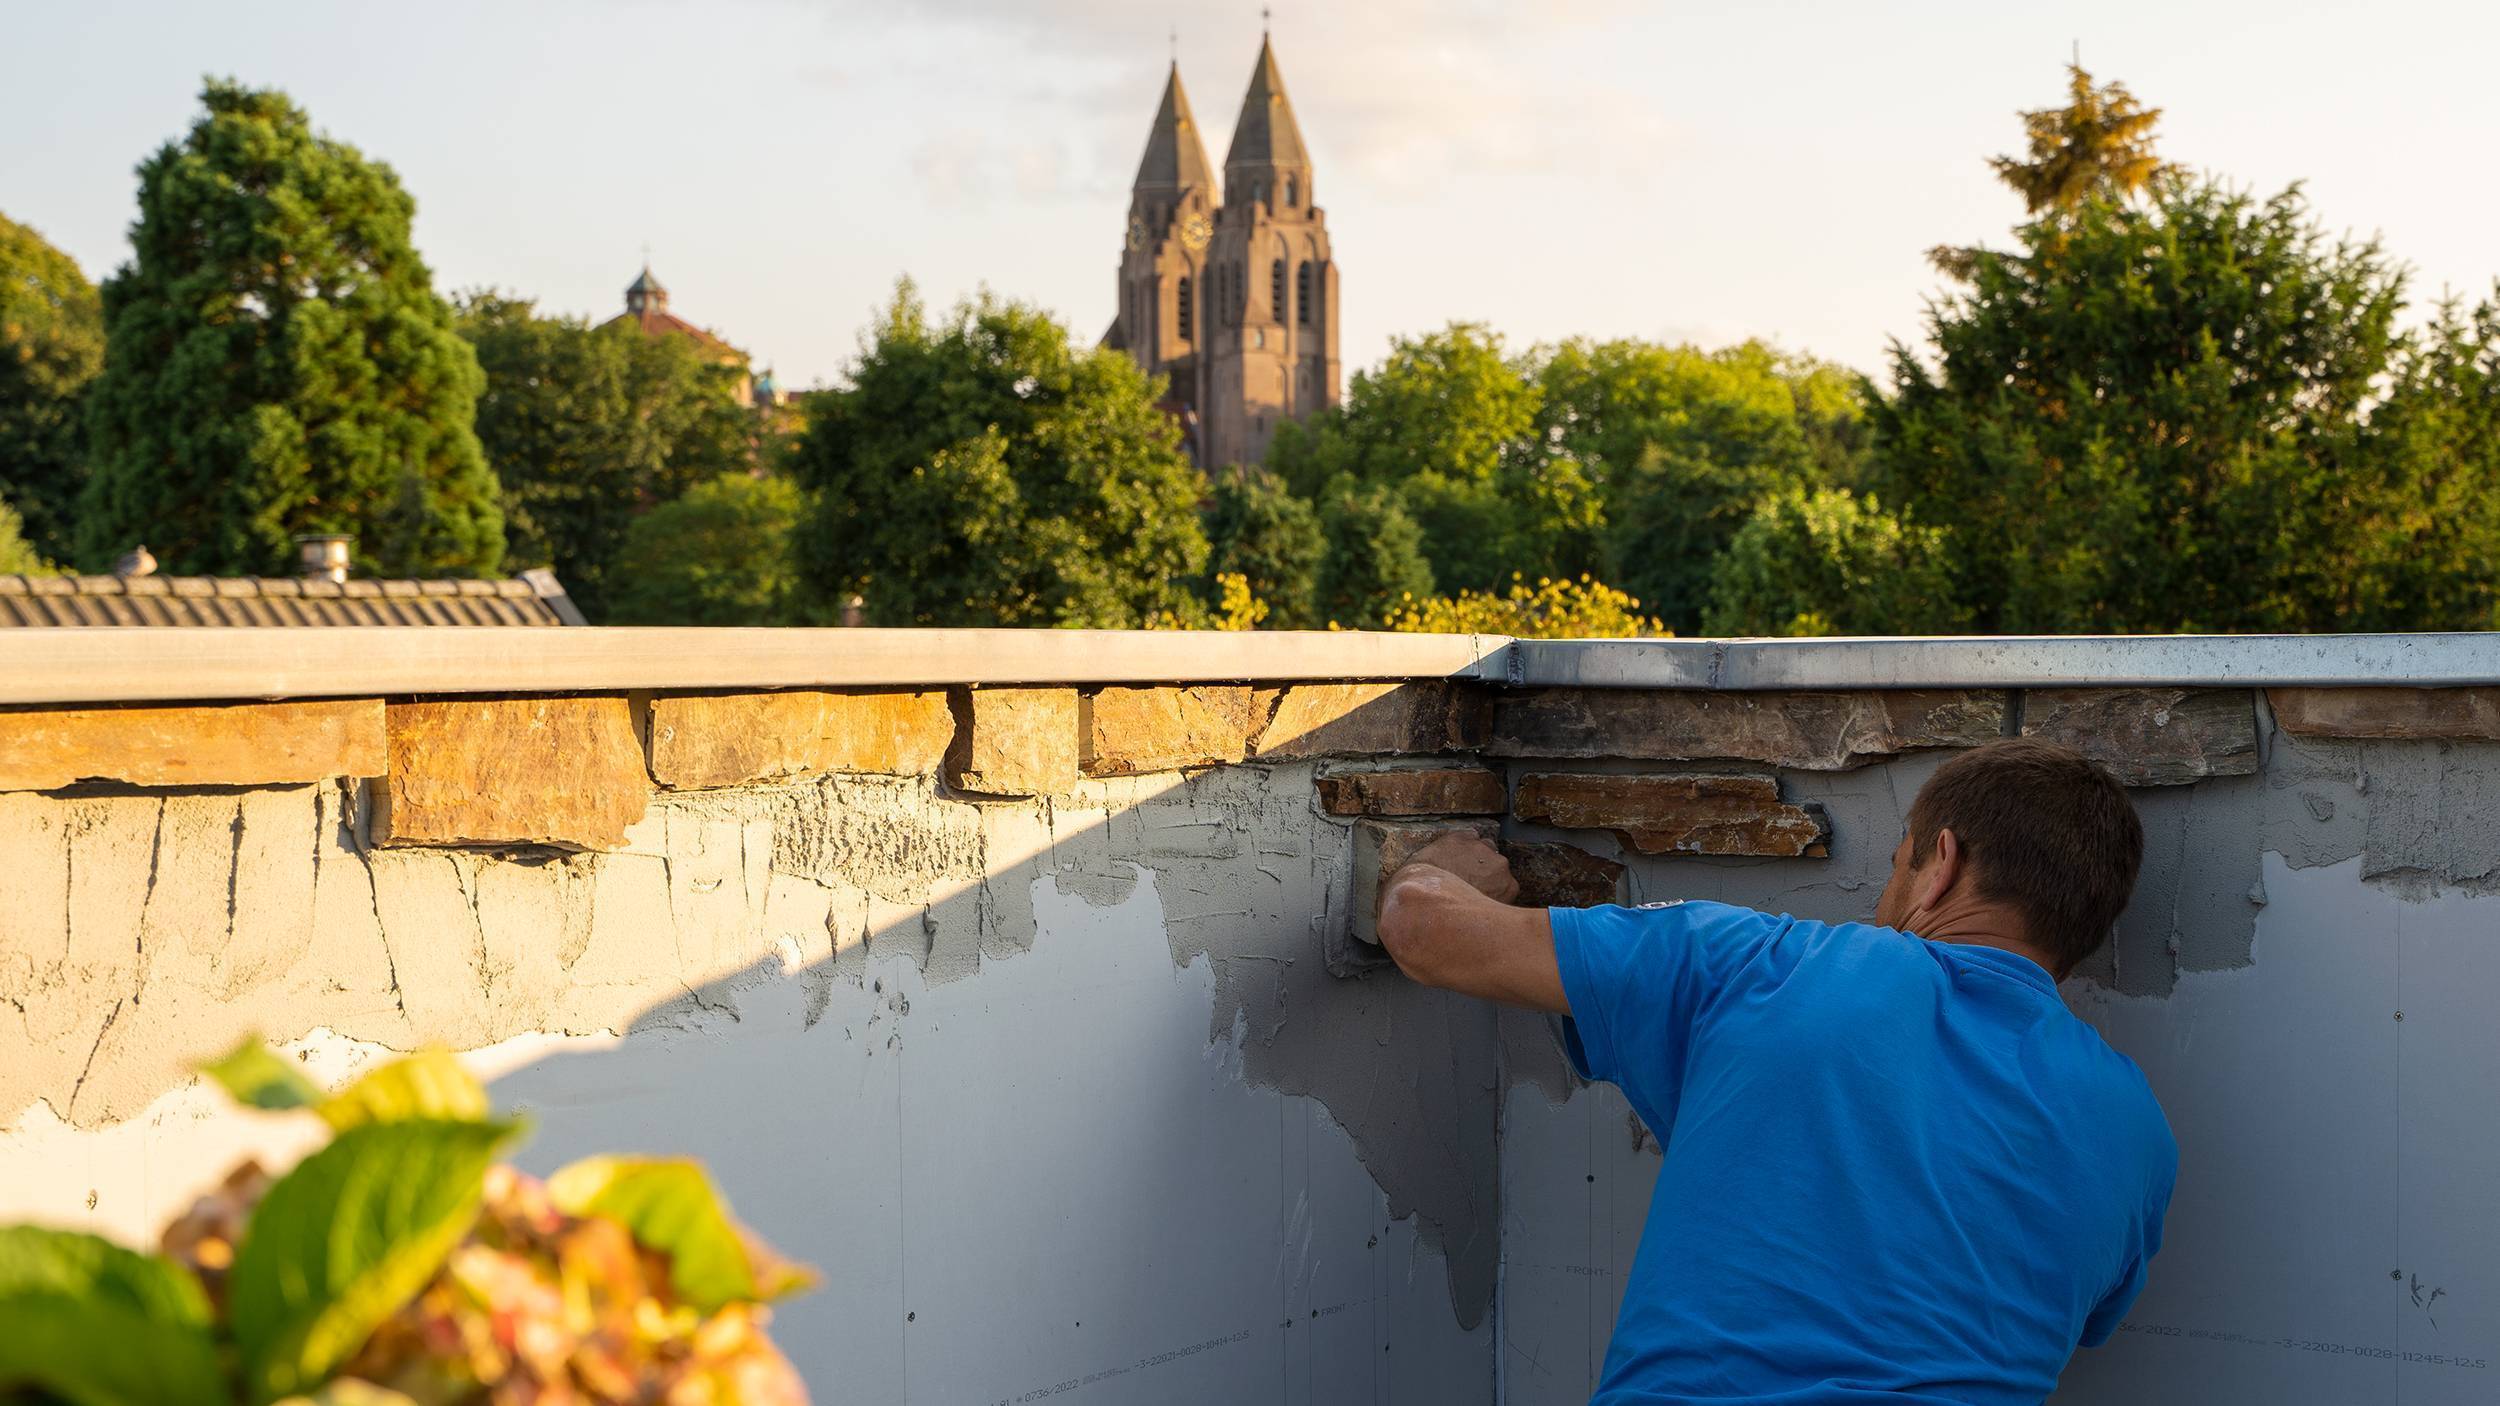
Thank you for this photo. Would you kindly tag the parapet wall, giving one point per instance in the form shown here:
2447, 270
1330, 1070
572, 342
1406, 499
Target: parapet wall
1035, 994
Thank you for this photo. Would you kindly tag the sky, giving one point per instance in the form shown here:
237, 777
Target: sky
1702, 173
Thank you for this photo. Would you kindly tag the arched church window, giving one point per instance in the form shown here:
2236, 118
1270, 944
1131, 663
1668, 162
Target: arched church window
1276, 290
1293, 193
1302, 293
1181, 318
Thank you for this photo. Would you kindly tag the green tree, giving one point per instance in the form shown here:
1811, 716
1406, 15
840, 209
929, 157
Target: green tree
1272, 540
51, 347
588, 428
720, 555
1375, 562
1450, 424
1685, 442
1831, 412
981, 471
2429, 557
18, 556
277, 363
2151, 417
1827, 562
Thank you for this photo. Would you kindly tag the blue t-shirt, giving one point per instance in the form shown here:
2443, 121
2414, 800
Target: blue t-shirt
1896, 1170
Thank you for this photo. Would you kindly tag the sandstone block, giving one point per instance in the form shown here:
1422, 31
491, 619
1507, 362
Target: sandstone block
1014, 741
2150, 736
1380, 847
2462, 714
1807, 731
1131, 731
1465, 790
244, 744
1371, 719
1677, 814
745, 739
504, 771
1562, 876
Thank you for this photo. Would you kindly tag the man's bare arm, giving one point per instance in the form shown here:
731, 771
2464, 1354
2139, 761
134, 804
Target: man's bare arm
1442, 924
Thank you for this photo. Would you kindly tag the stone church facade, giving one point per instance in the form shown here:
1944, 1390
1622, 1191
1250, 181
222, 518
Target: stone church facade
1230, 291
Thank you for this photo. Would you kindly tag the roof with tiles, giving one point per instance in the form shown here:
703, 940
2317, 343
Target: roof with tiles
535, 598
660, 322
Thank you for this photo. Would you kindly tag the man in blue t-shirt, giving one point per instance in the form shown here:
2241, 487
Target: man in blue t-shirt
1897, 1167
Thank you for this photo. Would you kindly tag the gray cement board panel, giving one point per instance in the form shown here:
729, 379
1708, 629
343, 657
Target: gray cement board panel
1575, 1189
2337, 1163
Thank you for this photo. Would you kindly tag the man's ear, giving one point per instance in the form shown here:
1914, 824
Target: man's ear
1943, 871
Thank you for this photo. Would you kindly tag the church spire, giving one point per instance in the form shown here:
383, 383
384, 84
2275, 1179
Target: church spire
1176, 157
1267, 141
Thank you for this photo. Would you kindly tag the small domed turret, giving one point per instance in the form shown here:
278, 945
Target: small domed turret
645, 292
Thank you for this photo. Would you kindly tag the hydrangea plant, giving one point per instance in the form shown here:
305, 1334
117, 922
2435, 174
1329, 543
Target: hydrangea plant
402, 1265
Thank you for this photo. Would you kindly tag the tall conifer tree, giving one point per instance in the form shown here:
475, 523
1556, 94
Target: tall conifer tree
2097, 147
2099, 144
277, 363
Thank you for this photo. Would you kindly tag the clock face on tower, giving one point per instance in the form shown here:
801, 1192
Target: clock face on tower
1136, 232
1196, 231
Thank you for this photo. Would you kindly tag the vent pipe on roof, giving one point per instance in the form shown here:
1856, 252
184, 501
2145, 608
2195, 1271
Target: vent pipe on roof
324, 558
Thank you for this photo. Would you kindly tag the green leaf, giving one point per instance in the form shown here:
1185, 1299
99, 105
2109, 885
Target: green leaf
669, 1205
347, 1238
260, 1077
430, 1084
98, 1325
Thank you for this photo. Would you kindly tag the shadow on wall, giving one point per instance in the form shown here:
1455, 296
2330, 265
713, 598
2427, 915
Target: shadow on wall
1155, 1152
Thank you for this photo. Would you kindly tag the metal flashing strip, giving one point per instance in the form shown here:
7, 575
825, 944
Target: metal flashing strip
1986, 661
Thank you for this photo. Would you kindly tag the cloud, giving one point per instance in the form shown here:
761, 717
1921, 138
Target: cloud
1400, 97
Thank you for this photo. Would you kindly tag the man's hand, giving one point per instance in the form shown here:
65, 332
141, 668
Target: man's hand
1446, 919
1477, 863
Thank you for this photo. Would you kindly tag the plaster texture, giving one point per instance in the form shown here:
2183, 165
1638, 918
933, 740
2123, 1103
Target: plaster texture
1153, 1112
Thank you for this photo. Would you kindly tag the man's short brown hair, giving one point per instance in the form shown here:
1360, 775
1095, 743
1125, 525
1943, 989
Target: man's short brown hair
2045, 830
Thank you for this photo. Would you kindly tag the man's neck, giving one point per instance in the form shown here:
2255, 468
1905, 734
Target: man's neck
1985, 925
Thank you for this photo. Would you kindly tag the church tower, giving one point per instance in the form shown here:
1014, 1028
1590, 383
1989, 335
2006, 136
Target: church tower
1232, 295
1271, 350
1171, 221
